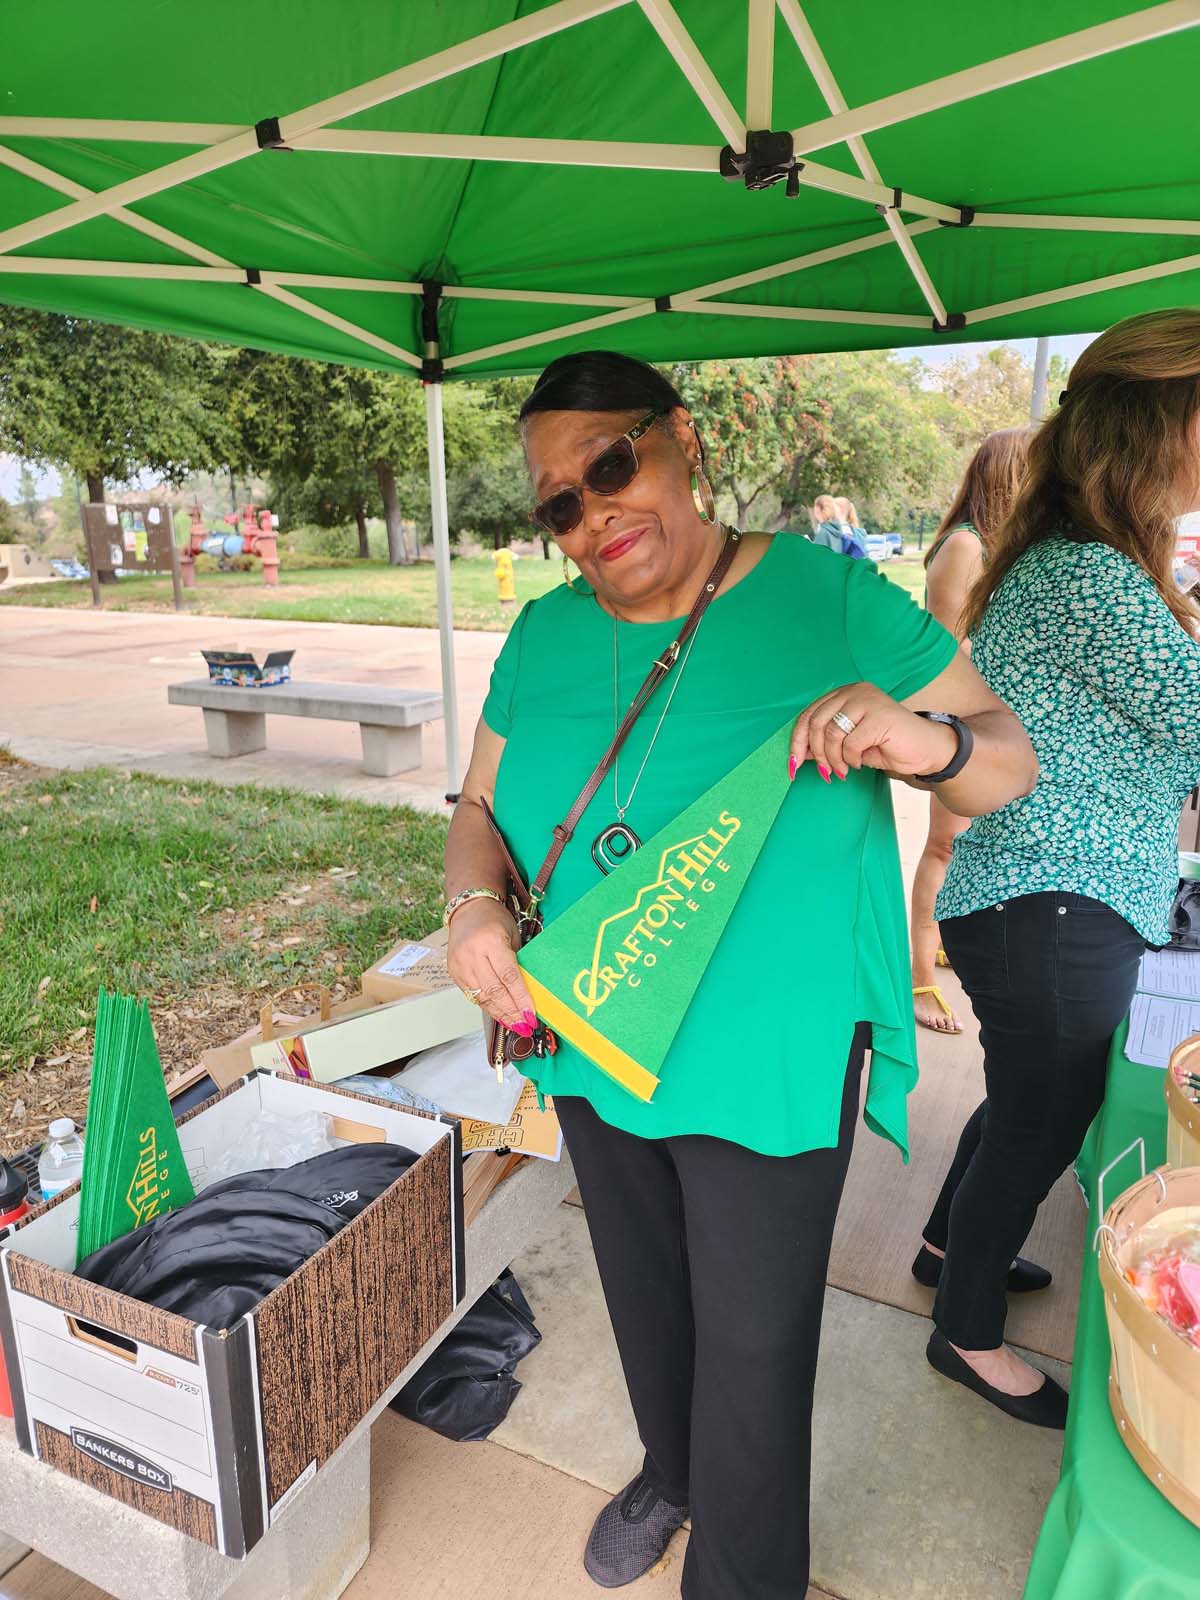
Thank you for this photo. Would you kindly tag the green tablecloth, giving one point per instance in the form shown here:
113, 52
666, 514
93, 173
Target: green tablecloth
1108, 1533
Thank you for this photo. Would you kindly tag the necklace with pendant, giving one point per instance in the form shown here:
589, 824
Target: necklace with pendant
617, 842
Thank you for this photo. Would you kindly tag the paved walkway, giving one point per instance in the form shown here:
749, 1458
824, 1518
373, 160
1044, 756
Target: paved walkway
84, 689
920, 1492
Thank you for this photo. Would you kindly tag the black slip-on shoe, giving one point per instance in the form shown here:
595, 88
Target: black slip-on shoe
630, 1534
1024, 1277
1045, 1407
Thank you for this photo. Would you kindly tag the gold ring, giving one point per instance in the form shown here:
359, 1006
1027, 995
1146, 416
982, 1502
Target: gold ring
842, 721
472, 995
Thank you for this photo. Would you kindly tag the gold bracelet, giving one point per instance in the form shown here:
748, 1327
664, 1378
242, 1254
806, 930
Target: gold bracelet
461, 898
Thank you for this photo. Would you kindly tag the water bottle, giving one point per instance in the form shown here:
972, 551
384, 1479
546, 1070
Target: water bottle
61, 1160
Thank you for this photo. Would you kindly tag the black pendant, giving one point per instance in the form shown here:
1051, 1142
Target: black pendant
613, 845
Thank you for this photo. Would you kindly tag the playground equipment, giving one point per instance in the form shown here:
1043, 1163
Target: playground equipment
256, 536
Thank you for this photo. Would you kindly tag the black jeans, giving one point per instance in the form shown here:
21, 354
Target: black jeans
713, 1261
1050, 977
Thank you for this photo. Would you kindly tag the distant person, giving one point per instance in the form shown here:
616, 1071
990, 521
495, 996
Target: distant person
953, 565
854, 538
830, 529
1049, 903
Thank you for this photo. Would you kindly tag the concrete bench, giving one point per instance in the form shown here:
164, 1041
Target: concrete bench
323, 1537
390, 720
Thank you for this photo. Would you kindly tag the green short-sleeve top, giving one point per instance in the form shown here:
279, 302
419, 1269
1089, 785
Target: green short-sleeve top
818, 940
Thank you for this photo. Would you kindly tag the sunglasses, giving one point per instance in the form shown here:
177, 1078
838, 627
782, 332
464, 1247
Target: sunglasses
612, 470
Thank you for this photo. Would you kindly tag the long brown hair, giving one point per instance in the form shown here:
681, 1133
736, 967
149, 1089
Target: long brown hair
989, 487
1117, 462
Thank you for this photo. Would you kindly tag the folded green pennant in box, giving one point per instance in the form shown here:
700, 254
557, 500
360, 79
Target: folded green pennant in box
616, 972
133, 1167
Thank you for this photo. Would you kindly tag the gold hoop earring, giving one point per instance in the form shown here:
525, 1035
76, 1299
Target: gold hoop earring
566, 574
702, 496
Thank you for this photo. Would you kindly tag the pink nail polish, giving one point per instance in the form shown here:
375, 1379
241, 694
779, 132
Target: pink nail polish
823, 770
523, 1030
843, 776
792, 767
530, 1017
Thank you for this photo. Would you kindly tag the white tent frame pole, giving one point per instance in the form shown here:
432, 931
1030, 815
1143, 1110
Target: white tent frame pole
528, 152
331, 320
866, 319
600, 153
1073, 291
68, 186
1016, 219
1041, 365
814, 56
1066, 51
529, 341
760, 62
665, 21
391, 86
435, 435
128, 131
814, 258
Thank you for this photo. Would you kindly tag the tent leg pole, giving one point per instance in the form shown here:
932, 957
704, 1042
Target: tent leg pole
441, 559
1041, 363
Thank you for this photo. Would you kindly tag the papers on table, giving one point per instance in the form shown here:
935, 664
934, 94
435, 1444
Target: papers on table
1166, 1007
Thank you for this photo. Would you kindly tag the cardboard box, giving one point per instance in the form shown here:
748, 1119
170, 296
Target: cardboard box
370, 1035
414, 961
213, 1431
240, 669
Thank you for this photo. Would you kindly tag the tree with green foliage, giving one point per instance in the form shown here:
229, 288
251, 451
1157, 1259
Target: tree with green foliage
757, 419
492, 498
104, 402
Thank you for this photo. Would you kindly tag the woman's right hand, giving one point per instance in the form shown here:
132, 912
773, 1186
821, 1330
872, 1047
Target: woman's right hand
481, 957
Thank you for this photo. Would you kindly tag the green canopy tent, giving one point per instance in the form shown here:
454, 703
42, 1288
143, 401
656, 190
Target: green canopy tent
469, 189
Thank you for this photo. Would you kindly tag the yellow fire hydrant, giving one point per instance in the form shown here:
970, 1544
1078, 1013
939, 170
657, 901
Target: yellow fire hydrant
505, 588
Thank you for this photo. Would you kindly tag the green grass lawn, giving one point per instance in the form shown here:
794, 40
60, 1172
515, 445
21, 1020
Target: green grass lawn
368, 591
180, 892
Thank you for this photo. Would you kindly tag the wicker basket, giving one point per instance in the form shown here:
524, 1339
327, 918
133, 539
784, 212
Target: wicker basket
1183, 1113
1154, 1384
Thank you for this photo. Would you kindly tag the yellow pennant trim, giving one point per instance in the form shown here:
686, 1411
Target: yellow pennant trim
629, 1073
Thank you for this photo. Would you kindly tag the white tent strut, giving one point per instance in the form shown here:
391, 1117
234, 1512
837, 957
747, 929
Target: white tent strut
436, 440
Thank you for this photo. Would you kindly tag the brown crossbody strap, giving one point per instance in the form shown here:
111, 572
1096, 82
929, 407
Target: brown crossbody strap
565, 830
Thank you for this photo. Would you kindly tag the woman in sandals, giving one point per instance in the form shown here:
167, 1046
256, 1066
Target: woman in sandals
1049, 903
953, 565
711, 1207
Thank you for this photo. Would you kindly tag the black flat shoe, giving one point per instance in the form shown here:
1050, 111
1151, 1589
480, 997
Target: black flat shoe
1024, 1277
1045, 1407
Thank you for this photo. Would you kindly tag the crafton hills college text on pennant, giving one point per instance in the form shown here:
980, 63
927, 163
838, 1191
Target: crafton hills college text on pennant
616, 972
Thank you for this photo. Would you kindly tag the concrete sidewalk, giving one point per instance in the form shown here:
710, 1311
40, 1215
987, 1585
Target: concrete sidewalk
83, 689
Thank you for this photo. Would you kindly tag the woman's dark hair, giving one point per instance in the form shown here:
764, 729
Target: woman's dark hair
601, 380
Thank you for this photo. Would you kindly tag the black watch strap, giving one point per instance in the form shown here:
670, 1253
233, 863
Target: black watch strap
966, 744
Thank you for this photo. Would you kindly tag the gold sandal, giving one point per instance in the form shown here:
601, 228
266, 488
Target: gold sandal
941, 959
932, 988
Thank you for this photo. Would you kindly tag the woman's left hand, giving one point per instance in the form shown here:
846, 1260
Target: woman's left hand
887, 736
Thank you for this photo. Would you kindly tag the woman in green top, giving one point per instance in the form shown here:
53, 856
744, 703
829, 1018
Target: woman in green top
711, 1207
1049, 903
953, 565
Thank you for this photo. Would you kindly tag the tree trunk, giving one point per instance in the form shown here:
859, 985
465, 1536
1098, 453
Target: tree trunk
545, 547
398, 554
497, 539
743, 508
95, 486
360, 518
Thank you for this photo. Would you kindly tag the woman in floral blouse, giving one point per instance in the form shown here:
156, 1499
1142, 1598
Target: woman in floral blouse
1049, 903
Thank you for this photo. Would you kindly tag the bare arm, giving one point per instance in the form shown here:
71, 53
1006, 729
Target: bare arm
890, 737
952, 575
483, 935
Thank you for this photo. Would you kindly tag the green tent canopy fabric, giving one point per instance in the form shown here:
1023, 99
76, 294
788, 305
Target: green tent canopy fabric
557, 169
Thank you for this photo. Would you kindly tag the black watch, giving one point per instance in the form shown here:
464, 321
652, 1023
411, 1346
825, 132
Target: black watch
966, 743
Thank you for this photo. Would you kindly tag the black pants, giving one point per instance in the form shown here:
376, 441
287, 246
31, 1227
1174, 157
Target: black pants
713, 1261
1050, 977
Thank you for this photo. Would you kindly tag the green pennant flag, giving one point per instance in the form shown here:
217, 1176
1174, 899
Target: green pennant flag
133, 1167
616, 972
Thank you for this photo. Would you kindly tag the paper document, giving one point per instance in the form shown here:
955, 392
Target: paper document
1173, 973
404, 959
1156, 1025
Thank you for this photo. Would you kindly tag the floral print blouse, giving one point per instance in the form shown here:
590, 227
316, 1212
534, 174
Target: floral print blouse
1079, 642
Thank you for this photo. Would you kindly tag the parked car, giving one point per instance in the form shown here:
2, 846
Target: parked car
63, 568
896, 542
878, 548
